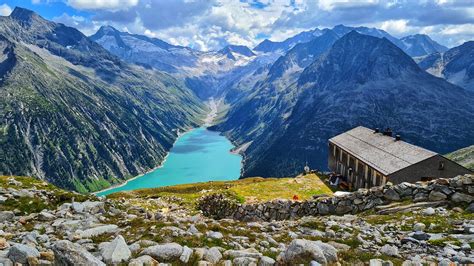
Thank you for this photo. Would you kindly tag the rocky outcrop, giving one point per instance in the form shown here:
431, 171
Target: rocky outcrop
440, 192
150, 231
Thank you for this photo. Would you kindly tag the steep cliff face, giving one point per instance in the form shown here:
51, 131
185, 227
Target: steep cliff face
455, 65
77, 116
361, 80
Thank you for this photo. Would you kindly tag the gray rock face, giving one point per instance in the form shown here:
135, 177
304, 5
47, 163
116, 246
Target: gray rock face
68, 253
391, 194
213, 255
428, 211
6, 216
470, 208
436, 196
266, 261
379, 262
389, 250
245, 261
142, 261
186, 255
250, 253
96, 231
214, 235
116, 251
20, 253
166, 252
305, 251
460, 197
419, 227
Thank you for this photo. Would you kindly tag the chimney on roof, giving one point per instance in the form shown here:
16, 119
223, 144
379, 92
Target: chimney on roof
388, 132
398, 137
377, 130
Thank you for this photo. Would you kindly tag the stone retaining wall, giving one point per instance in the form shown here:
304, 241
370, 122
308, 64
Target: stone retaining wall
457, 191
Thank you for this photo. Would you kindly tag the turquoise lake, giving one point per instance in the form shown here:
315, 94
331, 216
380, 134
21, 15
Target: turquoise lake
199, 155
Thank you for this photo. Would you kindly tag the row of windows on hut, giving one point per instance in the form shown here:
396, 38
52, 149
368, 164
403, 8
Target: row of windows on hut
358, 174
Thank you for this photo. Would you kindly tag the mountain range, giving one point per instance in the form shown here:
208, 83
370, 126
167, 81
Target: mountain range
456, 65
85, 113
360, 80
76, 115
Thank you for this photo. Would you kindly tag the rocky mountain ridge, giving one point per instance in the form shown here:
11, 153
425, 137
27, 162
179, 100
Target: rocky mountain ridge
77, 116
456, 65
361, 80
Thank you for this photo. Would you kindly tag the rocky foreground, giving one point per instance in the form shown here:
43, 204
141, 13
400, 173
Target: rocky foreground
42, 225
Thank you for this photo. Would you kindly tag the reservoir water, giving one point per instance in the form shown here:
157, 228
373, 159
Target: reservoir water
197, 156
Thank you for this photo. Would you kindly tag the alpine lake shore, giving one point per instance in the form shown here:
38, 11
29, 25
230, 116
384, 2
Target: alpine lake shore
44, 225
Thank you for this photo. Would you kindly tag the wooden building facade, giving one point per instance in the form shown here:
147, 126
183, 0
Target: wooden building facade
368, 158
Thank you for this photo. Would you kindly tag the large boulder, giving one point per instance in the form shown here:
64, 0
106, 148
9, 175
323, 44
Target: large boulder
304, 251
186, 255
389, 250
164, 253
244, 261
460, 197
6, 216
96, 231
68, 253
116, 251
437, 196
143, 260
20, 253
391, 195
213, 255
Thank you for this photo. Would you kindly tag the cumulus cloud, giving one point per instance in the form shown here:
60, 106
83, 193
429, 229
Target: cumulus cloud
102, 4
5, 10
210, 24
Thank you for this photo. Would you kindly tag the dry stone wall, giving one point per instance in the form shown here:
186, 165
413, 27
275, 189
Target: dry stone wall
455, 191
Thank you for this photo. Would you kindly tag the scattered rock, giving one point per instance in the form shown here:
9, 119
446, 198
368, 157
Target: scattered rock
214, 235
186, 255
419, 227
96, 231
266, 261
428, 211
470, 208
144, 260
68, 253
437, 196
165, 252
379, 262
245, 261
461, 197
116, 251
6, 216
391, 195
3, 244
20, 253
213, 255
389, 250
305, 251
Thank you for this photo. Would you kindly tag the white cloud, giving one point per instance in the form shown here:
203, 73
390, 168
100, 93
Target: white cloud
102, 4
5, 10
396, 27
211, 24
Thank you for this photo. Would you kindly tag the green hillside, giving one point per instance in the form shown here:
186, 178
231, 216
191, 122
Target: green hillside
75, 115
464, 157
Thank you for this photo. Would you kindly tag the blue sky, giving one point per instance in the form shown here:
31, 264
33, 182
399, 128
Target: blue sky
210, 24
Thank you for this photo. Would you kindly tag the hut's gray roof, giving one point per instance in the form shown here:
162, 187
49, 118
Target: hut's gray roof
380, 152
